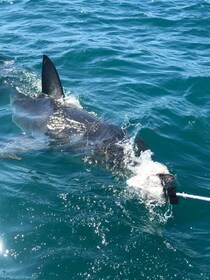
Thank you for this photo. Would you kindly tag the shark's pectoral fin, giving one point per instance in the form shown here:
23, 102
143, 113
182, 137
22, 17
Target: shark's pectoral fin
9, 156
17, 146
51, 84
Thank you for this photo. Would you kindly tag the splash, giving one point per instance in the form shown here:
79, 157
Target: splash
71, 99
144, 183
145, 178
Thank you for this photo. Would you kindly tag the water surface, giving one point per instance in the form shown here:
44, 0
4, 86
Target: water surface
144, 66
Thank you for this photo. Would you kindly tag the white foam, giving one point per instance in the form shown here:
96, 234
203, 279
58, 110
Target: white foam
144, 178
145, 185
71, 99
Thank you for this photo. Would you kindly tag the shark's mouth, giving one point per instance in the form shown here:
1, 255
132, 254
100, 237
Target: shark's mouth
168, 183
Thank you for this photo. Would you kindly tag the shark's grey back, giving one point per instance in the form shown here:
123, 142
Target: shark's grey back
62, 122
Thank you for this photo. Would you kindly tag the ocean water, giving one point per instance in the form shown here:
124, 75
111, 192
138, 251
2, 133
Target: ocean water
145, 66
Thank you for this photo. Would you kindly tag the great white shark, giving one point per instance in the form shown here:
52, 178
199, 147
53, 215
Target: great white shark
73, 129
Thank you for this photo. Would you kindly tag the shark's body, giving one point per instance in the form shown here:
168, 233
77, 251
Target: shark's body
65, 124
68, 127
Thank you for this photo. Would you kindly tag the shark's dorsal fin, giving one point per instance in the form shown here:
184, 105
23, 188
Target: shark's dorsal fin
51, 84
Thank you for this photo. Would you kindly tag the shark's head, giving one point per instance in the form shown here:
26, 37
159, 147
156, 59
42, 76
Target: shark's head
168, 183
153, 179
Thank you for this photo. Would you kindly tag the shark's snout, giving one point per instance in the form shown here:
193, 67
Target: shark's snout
168, 183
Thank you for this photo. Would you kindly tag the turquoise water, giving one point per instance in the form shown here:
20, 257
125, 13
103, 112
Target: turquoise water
143, 65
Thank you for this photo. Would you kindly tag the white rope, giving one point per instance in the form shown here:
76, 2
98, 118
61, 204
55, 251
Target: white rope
186, 195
